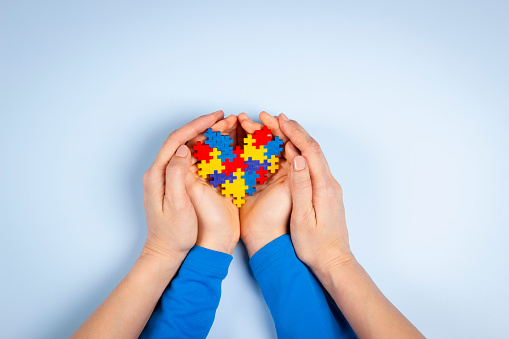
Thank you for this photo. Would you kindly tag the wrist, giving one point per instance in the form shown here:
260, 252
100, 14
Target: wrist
326, 267
162, 255
255, 241
225, 244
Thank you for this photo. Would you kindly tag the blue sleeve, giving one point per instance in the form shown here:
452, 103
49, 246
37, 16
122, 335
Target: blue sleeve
188, 305
294, 296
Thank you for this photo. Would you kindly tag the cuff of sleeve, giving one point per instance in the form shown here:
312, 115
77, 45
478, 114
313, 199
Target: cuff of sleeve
270, 253
208, 261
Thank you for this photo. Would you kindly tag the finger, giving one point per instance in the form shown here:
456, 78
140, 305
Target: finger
309, 148
182, 135
175, 189
247, 124
230, 125
154, 179
302, 192
231, 129
290, 151
273, 124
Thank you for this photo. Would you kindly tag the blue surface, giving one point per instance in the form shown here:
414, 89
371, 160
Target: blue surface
408, 100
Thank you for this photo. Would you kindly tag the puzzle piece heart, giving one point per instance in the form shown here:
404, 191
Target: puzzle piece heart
238, 170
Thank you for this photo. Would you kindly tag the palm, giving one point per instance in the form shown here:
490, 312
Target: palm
267, 212
216, 213
271, 204
209, 201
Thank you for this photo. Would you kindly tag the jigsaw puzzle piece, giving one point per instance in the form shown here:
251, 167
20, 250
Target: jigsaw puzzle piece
261, 136
202, 151
273, 164
274, 147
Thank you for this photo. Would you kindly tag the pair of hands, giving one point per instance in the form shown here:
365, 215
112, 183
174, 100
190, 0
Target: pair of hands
183, 209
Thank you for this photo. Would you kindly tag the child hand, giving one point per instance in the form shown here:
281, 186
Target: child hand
218, 217
266, 214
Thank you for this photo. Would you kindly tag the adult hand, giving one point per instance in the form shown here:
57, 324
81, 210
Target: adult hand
317, 225
320, 238
172, 230
171, 218
266, 214
218, 217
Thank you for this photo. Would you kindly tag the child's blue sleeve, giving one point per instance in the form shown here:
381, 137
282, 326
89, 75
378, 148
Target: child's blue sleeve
188, 305
294, 296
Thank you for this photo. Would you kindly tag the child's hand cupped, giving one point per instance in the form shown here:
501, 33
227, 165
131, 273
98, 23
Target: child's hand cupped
266, 214
218, 217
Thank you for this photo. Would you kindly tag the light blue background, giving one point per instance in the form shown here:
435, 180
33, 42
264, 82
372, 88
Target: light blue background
409, 101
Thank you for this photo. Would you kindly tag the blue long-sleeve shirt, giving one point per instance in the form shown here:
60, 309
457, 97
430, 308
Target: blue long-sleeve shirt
295, 299
188, 305
294, 296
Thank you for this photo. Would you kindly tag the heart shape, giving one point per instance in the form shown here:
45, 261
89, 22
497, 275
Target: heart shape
238, 171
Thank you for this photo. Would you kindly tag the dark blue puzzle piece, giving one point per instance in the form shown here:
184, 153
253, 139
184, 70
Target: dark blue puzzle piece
217, 179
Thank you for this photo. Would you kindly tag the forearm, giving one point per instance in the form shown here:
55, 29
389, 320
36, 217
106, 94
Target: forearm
126, 310
367, 310
295, 299
188, 306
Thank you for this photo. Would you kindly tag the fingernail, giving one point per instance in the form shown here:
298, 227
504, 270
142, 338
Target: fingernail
182, 151
216, 112
284, 117
299, 163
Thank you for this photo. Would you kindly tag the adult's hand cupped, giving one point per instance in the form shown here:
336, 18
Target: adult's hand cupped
171, 218
265, 215
317, 225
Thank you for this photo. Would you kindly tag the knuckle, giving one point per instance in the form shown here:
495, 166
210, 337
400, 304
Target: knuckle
175, 136
304, 218
174, 204
339, 189
314, 146
147, 177
173, 169
303, 184
329, 190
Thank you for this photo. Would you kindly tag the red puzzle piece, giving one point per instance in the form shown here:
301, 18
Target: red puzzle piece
261, 137
263, 176
202, 152
237, 163
238, 151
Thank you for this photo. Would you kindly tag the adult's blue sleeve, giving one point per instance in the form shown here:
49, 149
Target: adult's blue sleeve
188, 305
295, 298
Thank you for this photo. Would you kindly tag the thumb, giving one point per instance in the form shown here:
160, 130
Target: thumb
302, 191
176, 171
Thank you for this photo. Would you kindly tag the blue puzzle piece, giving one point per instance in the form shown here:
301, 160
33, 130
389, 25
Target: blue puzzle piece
251, 190
217, 179
250, 180
255, 165
226, 154
274, 147
214, 139
221, 142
